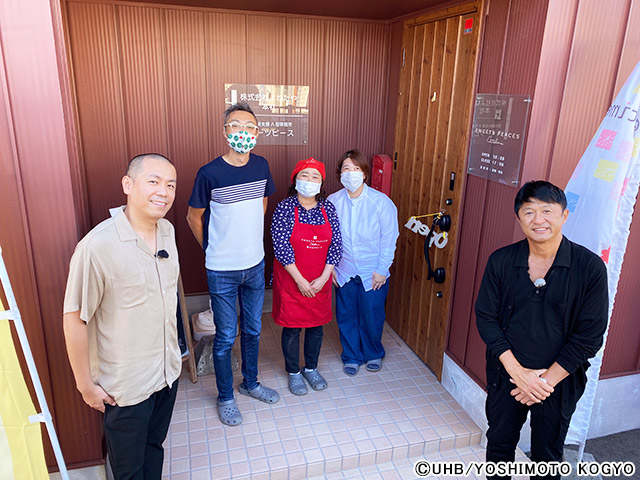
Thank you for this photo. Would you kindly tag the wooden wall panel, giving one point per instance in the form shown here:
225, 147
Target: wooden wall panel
512, 41
305, 53
226, 62
413, 41
161, 72
15, 242
95, 55
520, 58
470, 248
523, 34
630, 45
341, 100
431, 140
144, 78
622, 351
394, 66
584, 57
188, 127
425, 186
374, 79
611, 44
455, 162
266, 64
600, 28
409, 180
38, 184
546, 108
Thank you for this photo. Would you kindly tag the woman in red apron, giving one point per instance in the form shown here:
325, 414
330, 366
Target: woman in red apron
307, 245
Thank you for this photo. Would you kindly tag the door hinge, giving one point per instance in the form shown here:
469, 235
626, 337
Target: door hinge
404, 54
395, 160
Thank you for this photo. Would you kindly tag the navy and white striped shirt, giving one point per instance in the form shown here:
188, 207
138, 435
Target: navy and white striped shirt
234, 217
239, 193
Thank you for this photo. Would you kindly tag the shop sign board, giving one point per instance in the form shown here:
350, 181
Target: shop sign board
497, 137
282, 111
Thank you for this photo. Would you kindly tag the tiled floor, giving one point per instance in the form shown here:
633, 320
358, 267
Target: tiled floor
404, 469
366, 426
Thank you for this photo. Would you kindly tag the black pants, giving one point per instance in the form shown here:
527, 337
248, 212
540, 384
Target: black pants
506, 416
291, 347
134, 435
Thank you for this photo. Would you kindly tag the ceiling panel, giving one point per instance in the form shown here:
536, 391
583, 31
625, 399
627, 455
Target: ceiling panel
365, 9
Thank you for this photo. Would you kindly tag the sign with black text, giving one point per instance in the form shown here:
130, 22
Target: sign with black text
497, 137
282, 111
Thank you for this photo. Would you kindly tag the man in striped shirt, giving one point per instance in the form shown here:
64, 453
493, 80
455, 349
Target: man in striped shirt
226, 215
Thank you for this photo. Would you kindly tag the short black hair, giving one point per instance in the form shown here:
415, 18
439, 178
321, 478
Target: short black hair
540, 190
135, 164
238, 107
358, 159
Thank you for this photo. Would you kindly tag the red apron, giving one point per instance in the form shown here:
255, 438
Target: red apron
290, 308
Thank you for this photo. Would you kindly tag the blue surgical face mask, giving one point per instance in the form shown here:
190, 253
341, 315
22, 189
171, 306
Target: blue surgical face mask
352, 180
307, 189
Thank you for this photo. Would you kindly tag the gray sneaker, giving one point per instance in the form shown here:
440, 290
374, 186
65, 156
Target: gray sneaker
297, 385
314, 378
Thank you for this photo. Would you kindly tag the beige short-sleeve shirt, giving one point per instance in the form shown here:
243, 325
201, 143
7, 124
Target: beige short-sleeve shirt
128, 298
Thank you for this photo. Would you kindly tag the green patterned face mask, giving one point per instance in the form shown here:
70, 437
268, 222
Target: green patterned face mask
241, 142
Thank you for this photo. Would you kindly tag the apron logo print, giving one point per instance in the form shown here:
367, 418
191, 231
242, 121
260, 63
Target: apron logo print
313, 243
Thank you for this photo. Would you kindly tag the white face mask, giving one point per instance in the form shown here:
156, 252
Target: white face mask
352, 180
307, 189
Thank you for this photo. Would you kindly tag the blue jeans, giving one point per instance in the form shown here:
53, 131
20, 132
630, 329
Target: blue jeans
224, 287
360, 317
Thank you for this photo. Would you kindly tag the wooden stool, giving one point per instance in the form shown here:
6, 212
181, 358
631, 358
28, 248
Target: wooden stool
189, 357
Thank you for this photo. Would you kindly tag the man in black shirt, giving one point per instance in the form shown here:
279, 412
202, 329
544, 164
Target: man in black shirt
542, 311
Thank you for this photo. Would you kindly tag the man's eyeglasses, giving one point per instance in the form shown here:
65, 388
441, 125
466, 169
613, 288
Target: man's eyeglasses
235, 127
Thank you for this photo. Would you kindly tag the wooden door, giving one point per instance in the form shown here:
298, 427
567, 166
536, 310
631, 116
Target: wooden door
431, 137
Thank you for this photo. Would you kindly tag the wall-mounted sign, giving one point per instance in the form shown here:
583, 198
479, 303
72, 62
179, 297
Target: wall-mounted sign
282, 111
497, 137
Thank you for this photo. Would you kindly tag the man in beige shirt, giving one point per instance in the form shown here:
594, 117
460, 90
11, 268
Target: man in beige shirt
120, 319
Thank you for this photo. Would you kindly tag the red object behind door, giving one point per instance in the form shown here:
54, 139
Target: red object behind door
381, 173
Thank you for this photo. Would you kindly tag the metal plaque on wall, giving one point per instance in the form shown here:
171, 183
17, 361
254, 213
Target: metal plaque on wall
497, 137
282, 111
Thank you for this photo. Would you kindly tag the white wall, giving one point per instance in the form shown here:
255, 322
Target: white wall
616, 407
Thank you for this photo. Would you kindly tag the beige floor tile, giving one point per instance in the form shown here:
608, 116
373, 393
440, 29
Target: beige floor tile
259, 465
360, 427
315, 469
204, 474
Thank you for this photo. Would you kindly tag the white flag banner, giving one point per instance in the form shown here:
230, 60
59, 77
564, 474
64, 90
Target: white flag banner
601, 195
